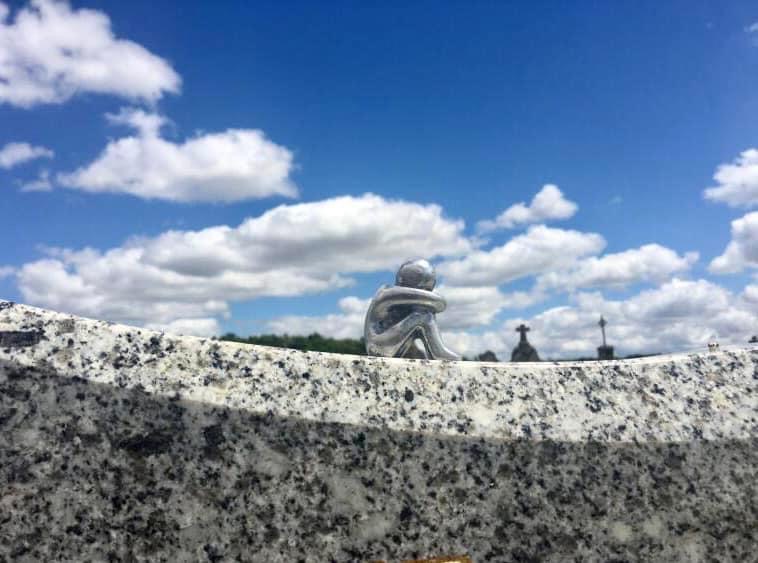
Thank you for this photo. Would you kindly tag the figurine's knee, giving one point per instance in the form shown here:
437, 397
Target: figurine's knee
401, 331
418, 324
420, 318
426, 329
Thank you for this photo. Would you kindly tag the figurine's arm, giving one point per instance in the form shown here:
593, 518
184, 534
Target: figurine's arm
398, 295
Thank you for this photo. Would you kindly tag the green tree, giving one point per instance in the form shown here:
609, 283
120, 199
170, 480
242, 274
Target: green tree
313, 342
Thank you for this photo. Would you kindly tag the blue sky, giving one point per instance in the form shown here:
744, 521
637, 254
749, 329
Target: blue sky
629, 109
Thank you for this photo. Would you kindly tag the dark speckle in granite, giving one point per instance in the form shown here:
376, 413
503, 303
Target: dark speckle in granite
20, 338
151, 443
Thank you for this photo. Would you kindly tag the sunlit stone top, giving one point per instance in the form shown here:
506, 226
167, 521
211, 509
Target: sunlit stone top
666, 398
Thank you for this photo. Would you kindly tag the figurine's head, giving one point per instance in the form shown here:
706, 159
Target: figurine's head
418, 273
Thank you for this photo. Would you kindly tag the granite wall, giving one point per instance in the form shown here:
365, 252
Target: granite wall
118, 443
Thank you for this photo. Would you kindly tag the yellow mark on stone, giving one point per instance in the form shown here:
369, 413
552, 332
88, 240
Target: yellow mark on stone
653, 527
482, 416
621, 531
450, 559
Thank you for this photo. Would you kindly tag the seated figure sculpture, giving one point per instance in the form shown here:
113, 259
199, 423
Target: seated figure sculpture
400, 315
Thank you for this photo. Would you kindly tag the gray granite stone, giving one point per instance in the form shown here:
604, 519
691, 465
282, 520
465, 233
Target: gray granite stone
118, 443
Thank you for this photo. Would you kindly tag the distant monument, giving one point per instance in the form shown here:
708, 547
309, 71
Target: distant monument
604, 352
488, 356
524, 352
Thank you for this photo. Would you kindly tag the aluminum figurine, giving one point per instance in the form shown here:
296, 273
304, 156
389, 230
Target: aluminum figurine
400, 315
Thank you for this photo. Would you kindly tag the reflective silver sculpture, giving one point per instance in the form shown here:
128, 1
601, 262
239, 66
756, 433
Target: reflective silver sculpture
400, 315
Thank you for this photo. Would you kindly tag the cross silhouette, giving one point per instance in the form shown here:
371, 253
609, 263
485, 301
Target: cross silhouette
602, 324
523, 329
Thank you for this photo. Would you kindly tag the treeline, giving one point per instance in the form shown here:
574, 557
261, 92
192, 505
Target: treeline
311, 343
317, 343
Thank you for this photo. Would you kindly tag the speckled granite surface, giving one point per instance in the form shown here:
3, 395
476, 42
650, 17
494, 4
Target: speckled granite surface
122, 444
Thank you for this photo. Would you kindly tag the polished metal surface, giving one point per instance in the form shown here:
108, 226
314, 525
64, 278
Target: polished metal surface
403, 314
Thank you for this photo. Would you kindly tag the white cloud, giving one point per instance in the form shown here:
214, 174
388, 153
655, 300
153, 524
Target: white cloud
147, 124
548, 204
750, 295
677, 316
7, 271
289, 250
49, 53
348, 323
742, 250
539, 250
471, 344
648, 263
233, 165
678, 300
469, 307
13, 154
40, 184
79, 282
342, 234
737, 181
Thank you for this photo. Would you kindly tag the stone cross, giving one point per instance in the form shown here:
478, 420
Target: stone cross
602, 324
523, 329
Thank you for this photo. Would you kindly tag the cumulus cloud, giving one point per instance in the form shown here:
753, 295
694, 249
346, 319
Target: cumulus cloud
13, 154
49, 53
342, 234
737, 181
348, 323
146, 123
234, 165
749, 294
76, 282
469, 307
41, 184
7, 271
472, 343
742, 250
548, 204
539, 250
289, 250
648, 263
676, 316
